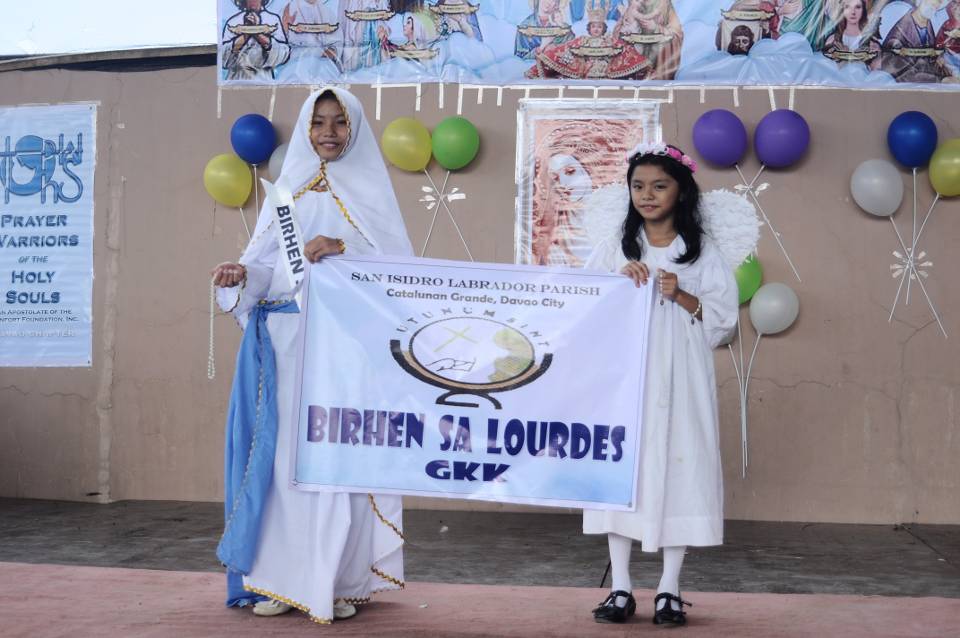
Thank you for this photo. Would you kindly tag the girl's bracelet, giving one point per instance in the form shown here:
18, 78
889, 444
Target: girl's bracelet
698, 311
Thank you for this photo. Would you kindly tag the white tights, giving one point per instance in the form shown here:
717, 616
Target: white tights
620, 566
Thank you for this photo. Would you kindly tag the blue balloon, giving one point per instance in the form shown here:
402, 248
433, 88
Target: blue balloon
912, 138
253, 138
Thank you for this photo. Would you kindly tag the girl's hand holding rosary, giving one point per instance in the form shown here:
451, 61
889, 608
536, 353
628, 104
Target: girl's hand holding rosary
670, 289
228, 275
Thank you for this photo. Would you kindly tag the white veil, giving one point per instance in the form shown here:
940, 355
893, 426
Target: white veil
358, 178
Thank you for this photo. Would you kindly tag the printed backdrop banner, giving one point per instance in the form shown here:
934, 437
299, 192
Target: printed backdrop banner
47, 158
503, 383
853, 43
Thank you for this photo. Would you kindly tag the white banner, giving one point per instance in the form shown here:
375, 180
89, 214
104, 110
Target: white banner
494, 382
47, 161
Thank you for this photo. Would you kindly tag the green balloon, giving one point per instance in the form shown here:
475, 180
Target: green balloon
749, 276
455, 143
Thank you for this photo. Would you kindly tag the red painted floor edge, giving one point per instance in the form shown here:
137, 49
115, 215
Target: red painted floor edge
43, 601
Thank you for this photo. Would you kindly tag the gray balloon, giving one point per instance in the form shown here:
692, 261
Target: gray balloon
877, 187
276, 161
774, 308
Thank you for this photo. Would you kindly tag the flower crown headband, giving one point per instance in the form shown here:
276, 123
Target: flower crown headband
659, 148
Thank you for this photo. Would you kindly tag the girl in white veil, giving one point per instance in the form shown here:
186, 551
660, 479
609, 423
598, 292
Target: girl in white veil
286, 548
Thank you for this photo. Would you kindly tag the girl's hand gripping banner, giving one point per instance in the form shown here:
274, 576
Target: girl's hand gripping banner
503, 383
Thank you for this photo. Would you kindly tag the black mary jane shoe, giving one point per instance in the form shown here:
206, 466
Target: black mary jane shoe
608, 612
668, 615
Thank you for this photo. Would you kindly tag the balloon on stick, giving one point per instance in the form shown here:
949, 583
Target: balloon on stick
456, 142
749, 275
406, 143
275, 165
774, 308
912, 138
253, 138
227, 178
877, 187
945, 168
781, 138
720, 137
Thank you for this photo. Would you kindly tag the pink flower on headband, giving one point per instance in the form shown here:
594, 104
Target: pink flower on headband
659, 148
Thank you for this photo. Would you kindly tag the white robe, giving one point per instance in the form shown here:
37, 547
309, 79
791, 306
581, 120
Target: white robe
680, 483
251, 62
313, 546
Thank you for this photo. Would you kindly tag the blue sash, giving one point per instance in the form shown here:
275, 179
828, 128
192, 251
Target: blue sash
250, 445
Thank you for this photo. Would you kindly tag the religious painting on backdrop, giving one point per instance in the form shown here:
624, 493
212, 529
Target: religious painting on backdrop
566, 151
852, 43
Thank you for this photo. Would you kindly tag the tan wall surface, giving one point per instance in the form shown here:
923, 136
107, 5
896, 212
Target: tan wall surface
851, 419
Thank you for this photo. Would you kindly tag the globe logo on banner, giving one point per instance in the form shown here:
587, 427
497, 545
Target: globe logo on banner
470, 356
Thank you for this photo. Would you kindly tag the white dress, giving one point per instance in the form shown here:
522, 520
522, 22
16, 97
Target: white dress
314, 546
680, 486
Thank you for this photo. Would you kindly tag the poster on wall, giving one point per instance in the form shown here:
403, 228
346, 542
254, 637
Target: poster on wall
846, 43
47, 161
459, 382
566, 151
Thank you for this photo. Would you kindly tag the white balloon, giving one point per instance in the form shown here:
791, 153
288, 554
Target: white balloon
774, 308
877, 187
276, 161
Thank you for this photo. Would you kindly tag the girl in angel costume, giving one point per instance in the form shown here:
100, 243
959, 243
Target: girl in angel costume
688, 248
322, 553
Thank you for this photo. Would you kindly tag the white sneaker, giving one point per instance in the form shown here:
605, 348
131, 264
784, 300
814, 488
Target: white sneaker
343, 610
271, 608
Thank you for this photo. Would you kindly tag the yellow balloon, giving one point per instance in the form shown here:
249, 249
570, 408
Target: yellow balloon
945, 168
227, 178
406, 143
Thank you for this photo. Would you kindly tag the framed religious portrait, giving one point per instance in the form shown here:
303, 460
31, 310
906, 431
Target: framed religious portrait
568, 150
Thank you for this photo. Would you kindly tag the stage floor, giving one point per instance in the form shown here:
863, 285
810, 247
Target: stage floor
147, 569
47, 601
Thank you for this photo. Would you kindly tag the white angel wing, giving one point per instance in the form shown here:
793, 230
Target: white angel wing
605, 211
731, 222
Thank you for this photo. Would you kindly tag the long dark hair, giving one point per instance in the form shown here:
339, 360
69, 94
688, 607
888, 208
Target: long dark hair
686, 212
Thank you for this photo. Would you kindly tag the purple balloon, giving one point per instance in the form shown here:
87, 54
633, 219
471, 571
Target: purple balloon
782, 138
720, 137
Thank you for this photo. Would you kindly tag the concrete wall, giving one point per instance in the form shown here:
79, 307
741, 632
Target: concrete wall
852, 418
